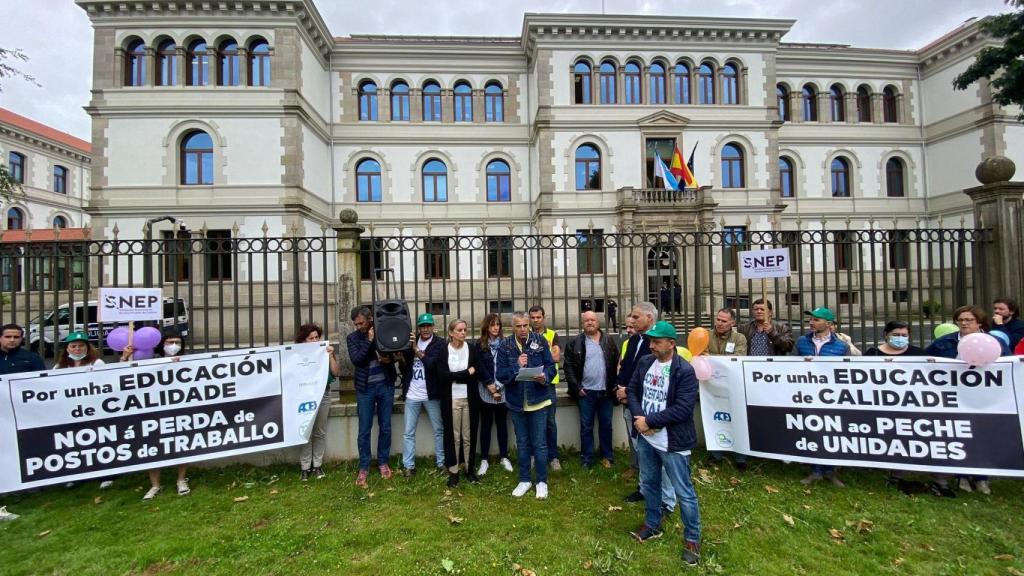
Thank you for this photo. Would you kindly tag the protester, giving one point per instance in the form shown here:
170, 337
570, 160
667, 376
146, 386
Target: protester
492, 393
766, 337
538, 319
375, 393
822, 341
590, 362
424, 374
463, 406
726, 341
16, 359
170, 346
79, 352
895, 341
312, 456
662, 394
1006, 319
528, 400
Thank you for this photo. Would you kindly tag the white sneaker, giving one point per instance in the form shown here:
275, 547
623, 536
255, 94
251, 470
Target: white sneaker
542, 491
183, 489
507, 464
522, 488
151, 493
483, 468
6, 516
965, 485
983, 487
106, 484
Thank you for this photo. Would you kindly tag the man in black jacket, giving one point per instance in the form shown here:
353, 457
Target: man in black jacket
375, 393
424, 373
590, 361
13, 358
766, 337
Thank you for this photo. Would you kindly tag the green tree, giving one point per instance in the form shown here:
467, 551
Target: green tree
9, 187
1002, 65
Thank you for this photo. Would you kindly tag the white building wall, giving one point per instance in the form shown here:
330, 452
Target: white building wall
315, 82
951, 163
316, 158
136, 154
1014, 138
941, 100
253, 150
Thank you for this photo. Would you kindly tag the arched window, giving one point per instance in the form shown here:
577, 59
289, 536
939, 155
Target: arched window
494, 102
15, 219
786, 182
60, 180
889, 105
732, 166
259, 63
730, 84
840, 178
198, 64
809, 98
894, 187
435, 181
197, 158
588, 168
60, 222
431, 102
607, 75
227, 73
135, 64
368, 181
16, 167
837, 103
681, 83
705, 84
581, 78
400, 101
499, 181
463, 96
782, 96
632, 83
863, 104
167, 64
656, 88
368, 101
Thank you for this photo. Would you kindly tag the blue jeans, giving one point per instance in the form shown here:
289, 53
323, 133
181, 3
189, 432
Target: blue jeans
412, 418
552, 426
531, 429
822, 469
595, 403
376, 400
677, 467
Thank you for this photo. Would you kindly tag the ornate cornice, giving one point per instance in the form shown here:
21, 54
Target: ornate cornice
43, 143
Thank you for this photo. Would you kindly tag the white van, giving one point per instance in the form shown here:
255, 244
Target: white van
50, 329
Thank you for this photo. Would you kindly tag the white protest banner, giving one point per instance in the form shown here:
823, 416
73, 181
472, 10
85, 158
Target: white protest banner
915, 413
77, 423
130, 304
772, 263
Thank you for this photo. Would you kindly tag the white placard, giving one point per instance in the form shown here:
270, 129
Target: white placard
130, 304
772, 263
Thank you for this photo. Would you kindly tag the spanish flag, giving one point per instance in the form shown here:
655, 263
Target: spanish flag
682, 173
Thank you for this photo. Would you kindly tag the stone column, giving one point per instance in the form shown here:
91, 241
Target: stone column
850, 99
478, 106
150, 66
645, 86
119, 72
383, 104
824, 108
243, 66
415, 105
998, 207
347, 287
620, 85
447, 106
182, 63
877, 117
742, 91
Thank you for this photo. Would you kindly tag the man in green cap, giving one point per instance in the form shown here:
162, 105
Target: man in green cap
821, 341
662, 394
424, 373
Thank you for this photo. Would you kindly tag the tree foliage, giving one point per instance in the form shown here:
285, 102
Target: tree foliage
1002, 65
8, 60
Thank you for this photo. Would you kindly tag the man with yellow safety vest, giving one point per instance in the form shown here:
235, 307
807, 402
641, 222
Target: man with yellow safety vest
538, 322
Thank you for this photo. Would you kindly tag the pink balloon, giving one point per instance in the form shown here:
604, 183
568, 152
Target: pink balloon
147, 338
142, 354
117, 338
979, 349
701, 367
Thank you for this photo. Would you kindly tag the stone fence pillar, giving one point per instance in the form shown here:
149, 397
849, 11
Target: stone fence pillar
347, 286
998, 207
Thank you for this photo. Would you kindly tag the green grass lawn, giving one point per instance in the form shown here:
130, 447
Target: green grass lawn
415, 526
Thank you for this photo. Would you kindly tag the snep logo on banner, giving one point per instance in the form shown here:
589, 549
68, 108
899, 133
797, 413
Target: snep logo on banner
130, 304
307, 407
723, 417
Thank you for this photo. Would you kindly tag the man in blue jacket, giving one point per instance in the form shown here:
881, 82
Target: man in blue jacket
13, 358
528, 400
375, 393
821, 341
662, 394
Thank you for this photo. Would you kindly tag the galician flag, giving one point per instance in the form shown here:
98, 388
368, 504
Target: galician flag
682, 173
669, 181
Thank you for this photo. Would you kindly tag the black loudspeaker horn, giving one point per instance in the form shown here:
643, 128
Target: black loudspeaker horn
392, 325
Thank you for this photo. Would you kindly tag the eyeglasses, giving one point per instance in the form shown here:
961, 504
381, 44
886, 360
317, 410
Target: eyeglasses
967, 320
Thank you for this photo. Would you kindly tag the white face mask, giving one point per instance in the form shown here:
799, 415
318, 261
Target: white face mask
77, 357
171, 349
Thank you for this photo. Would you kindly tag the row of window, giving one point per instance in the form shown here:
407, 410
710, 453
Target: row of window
431, 96
808, 103
839, 171
679, 84
226, 60
16, 220
16, 169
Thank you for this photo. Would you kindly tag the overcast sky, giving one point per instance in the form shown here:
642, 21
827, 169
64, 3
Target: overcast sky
57, 36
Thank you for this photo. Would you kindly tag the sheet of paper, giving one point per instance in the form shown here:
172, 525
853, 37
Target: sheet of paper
529, 373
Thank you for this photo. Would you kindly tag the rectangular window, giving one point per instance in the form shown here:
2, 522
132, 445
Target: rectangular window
899, 250
400, 106
848, 297
499, 256
843, 251
371, 258
500, 307
219, 255
740, 302
463, 107
734, 241
10, 274
791, 239
900, 296
494, 106
176, 255
657, 147
590, 253
436, 258
793, 298
438, 308
592, 305
60, 180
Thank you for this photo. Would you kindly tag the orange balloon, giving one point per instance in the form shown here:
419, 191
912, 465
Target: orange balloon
698, 340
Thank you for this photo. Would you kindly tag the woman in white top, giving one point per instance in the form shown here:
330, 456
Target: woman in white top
460, 444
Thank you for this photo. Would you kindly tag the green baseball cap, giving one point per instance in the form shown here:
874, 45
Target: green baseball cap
424, 319
662, 329
76, 336
822, 312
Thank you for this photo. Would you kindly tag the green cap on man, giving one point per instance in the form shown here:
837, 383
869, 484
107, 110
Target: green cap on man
662, 329
822, 313
425, 319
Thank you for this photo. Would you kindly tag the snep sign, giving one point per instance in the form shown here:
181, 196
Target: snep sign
130, 304
772, 263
